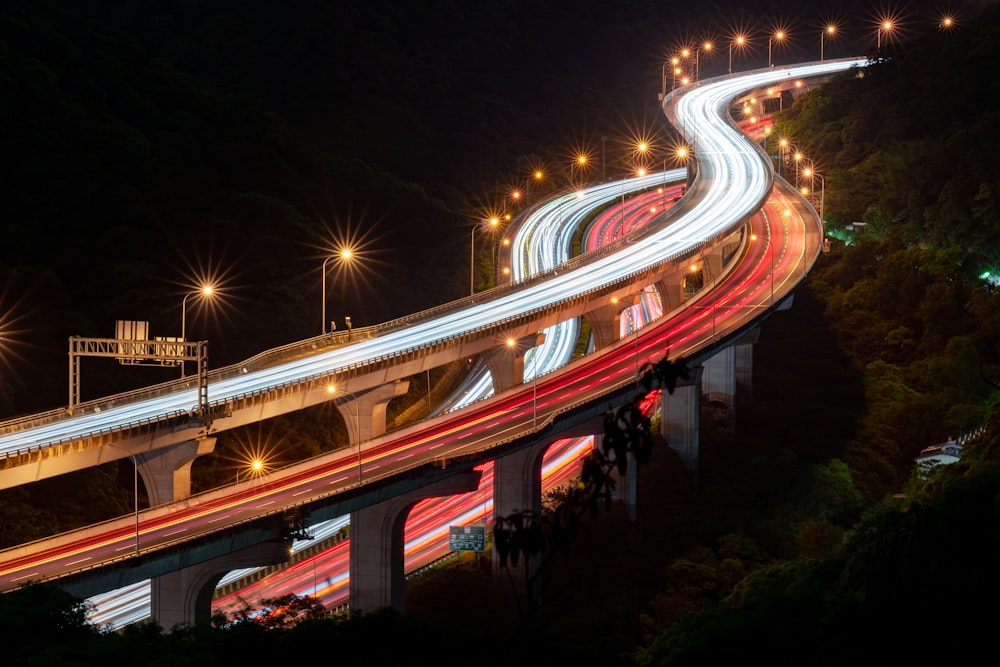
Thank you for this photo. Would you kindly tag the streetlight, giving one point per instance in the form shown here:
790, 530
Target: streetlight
777, 36
579, 163
828, 30
885, 25
810, 173
739, 41
642, 148
494, 222
636, 305
537, 175
332, 389
782, 149
675, 64
256, 468
706, 46
345, 256
682, 155
204, 291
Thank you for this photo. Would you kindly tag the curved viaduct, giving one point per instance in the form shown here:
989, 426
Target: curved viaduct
175, 438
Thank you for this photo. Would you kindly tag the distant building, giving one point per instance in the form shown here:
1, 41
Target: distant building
946, 452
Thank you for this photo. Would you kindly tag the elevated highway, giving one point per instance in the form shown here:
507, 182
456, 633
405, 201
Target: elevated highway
733, 181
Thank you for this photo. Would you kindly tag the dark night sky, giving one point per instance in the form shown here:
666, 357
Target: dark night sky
119, 120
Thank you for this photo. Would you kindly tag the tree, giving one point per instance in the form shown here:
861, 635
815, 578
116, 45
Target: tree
520, 539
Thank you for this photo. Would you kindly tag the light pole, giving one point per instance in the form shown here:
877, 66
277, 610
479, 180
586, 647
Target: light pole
738, 41
682, 155
885, 25
204, 291
494, 223
255, 468
828, 30
707, 46
633, 310
344, 255
536, 175
357, 422
135, 490
579, 164
604, 164
778, 36
810, 173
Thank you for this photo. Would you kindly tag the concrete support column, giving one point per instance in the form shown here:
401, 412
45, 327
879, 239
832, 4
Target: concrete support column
184, 597
719, 379
671, 291
626, 486
377, 532
605, 324
679, 423
517, 487
364, 412
166, 472
506, 363
719, 386
744, 374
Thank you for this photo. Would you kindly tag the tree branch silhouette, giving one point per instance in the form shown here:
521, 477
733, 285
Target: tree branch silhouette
526, 537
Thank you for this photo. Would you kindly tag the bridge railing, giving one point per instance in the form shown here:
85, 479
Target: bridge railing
299, 349
308, 346
227, 404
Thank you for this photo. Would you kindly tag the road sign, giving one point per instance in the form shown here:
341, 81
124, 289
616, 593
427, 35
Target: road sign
467, 538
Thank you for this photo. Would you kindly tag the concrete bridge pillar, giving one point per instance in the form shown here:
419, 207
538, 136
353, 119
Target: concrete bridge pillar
743, 350
166, 472
679, 423
719, 378
517, 487
626, 486
364, 413
605, 324
506, 363
377, 540
184, 597
671, 290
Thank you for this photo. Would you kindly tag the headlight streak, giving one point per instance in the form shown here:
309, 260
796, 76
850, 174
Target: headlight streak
687, 230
